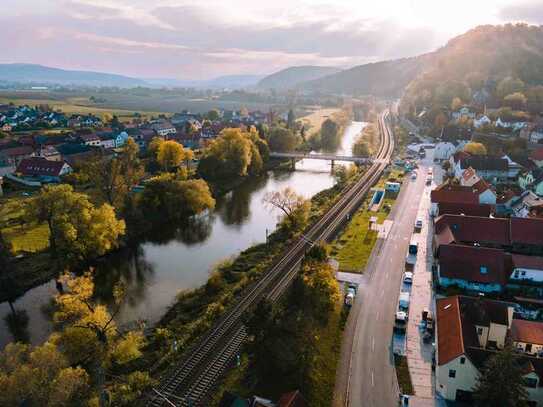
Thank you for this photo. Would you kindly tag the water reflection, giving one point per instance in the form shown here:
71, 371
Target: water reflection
178, 257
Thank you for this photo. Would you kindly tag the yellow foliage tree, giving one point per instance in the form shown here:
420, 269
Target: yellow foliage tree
475, 148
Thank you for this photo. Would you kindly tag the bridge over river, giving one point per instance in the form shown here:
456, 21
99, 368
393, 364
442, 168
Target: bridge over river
328, 157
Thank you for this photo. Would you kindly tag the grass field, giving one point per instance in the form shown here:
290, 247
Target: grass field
24, 237
313, 121
352, 249
403, 375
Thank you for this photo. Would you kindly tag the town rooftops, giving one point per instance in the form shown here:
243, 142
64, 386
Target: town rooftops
451, 193
475, 264
72, 148
493, 232
481, 186
39, 166
484, 163
453, 208
527, 262
537, 154
17, 151
457, 318
527, 331
86, 138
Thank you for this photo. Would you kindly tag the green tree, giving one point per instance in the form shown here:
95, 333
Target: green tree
329, 134
501, 382
213, 115
167, 198
291, 120
77, 229
282, 139
534, 97
361, 148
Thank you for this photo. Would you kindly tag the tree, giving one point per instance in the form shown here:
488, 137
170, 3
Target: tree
475, 148
361, 148
508, 86
171, 154
283, 140
534, 97
213, 115
167, 198
501, 381
295, 208
516, 101
41, 376
291, 120
329, 134
456, 103
235, 153
77, 229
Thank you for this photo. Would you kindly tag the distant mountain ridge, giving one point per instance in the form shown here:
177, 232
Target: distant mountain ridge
291, 77
220, 82
39, 74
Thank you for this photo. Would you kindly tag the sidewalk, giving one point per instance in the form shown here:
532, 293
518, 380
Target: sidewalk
419, 354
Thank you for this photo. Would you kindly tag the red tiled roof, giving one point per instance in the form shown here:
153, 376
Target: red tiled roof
466, 209
527, 262
474, 264
450, 342
527, 331
449, 193
17, 151
38, 166
464, 229
468, 173
480, 186
537, 154
527, 231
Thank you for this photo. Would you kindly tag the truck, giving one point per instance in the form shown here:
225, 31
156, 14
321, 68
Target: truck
411, 257
350, 294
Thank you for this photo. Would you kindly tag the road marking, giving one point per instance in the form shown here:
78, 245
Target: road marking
377, 316
372, 382
383, 292
372, 343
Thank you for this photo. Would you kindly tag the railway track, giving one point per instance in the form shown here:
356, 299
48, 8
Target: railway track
190, 381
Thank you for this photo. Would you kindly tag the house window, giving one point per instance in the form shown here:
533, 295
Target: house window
516, 274
452, 373
528, 347
530, 382
483, 269
462, 360
479, 331
523, 273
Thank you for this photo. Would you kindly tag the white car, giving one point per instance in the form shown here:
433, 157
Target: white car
414, 175
408, 277
418, 224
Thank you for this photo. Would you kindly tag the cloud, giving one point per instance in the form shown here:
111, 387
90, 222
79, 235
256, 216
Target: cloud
527, 11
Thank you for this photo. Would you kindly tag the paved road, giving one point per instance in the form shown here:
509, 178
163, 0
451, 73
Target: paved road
372, 380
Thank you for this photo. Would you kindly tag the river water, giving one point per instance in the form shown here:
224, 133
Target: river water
179, 259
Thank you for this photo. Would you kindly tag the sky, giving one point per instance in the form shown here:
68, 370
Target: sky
187, 39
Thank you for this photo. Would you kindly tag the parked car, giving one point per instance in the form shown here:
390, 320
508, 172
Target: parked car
349, 296
414, 175
408, 277
411, 257
429, 180
400, 321
404, 301
404, 400
418, 224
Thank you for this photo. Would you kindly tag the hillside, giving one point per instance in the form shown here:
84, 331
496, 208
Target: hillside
220, 82
386, 78
39, 74
483, 66
290, 77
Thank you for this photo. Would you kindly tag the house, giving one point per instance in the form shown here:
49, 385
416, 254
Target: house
463, 112
537, 157
73, 153
515, 235
163, 128
7, 127
536, 134
481, 121
503, 124
513, 168
492, 169
469, 177
448, 193
90, 140
526, 269
42, 169
12, 156
473, 268
50, 153
525, 179
527, 202
121, 139
471, 330
444, 150
466, 209
485, 193
527, 336
505, 200
107, 139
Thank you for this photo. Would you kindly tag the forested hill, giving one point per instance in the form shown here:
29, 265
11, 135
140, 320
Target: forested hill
483, 66
387, 78
291, 77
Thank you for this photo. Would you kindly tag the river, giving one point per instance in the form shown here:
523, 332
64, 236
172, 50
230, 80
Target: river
179, 259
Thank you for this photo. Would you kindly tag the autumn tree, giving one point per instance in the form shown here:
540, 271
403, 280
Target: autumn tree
501, 381
115, 177
167, 198
77, 229
293, 207
516, 101
171, 154
282, 139
508, 86
475, 148
456, 103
